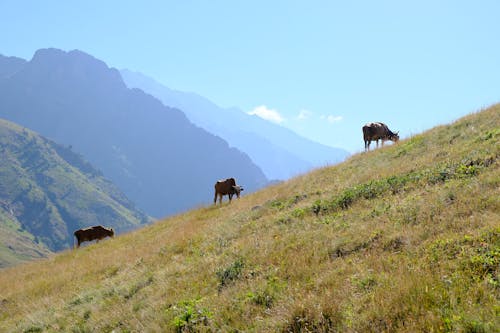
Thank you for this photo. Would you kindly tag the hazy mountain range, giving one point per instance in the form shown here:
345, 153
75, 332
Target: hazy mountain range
278, 151
161, 161
47, 191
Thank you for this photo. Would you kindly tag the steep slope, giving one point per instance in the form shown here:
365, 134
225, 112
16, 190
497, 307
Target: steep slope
280, 152
405, 238
16, 244
46, 192
153, 153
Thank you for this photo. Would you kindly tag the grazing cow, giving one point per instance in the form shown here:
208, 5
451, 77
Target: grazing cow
226, 187
378, 131
96, 232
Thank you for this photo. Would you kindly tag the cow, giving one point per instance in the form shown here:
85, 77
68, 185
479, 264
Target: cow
378, 131
93, 233
226, 187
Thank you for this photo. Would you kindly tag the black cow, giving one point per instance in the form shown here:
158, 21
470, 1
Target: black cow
226, 187
89, 234
378, 131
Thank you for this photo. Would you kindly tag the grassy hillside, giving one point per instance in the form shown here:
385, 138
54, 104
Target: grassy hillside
46, 192
404, 238
16, 244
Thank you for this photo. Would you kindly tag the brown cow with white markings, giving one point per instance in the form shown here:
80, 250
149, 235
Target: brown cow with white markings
93, 233
378, 131
226, 187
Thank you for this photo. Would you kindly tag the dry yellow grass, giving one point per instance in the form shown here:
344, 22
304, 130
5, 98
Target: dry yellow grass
404, 238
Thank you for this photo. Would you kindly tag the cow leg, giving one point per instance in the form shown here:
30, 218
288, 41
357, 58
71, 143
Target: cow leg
220, 198
367, 145
215, 198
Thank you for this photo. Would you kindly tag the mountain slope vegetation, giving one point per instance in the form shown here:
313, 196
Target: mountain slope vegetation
404, 238
47, 192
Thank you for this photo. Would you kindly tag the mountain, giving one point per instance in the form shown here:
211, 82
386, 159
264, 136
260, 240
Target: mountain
280, 152
47, 191
10, 65
153, 153
404, 238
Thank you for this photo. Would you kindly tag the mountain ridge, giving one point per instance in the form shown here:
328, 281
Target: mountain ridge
279, 151
152, 152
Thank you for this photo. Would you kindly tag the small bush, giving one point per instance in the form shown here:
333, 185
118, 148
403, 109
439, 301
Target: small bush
316, 207
485, 265
346, 199
231, 273
277, 204
467, 170
365, 284
267, 296
299, 213
488, 135
189, 316
262, 298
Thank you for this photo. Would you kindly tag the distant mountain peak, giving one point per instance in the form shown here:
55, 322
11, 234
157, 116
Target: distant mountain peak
10, 65
82, 66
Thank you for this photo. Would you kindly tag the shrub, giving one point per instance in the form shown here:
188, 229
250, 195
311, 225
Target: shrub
189, 316
299, 213
262, 298
231, 273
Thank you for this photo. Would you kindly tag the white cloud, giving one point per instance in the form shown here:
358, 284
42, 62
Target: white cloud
332, 119
304, 114
268, 114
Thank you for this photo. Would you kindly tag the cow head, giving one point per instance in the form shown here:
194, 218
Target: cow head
394, 137
237, 189
111, 232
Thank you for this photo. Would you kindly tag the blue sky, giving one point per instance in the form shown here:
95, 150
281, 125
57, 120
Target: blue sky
321, 68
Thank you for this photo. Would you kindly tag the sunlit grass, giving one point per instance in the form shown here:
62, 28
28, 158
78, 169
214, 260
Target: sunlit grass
404, 238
